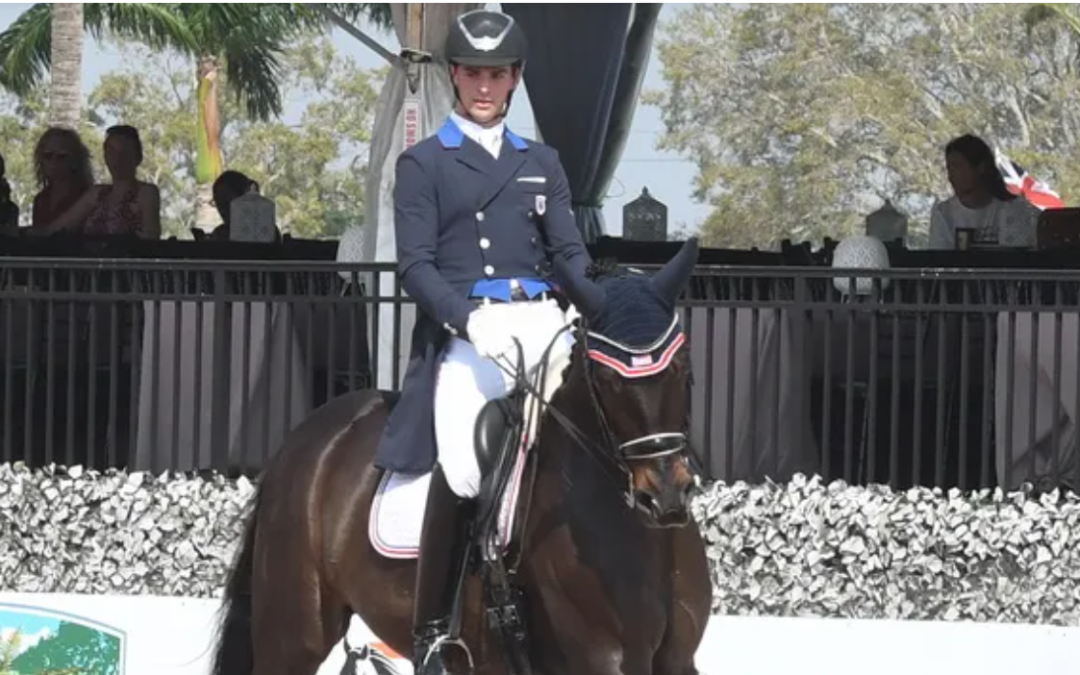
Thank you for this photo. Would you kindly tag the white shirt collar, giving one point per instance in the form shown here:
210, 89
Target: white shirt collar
489, 138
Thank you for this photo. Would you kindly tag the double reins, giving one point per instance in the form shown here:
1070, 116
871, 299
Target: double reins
611, 455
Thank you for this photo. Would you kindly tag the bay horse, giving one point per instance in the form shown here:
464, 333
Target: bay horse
610, 563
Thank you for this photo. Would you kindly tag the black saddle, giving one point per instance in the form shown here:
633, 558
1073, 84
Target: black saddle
489, 436
496, 438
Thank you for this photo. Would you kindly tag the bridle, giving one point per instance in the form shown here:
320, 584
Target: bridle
613, 456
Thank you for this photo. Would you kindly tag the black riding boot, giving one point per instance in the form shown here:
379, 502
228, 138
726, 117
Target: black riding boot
442, 552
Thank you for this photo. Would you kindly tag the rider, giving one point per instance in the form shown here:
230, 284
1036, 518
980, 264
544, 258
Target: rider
479, 214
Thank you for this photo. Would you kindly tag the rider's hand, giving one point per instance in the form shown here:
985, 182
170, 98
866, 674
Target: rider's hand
571, 314
489, 334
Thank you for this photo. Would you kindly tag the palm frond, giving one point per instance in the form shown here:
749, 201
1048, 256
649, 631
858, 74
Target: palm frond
158, 26
250, 39
310, 17
212, 24
25, 47
253, 72
25, 50
377, 13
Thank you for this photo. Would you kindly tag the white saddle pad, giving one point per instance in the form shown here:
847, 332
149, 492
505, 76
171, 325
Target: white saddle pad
397, 513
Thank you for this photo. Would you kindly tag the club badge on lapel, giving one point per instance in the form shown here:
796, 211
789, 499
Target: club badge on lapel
541, 204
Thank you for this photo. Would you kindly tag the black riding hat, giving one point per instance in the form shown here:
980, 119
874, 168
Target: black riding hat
486, 39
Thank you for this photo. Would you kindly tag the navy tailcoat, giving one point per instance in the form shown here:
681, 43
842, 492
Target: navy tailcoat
465, 224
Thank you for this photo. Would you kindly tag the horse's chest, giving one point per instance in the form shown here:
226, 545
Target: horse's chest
627, 566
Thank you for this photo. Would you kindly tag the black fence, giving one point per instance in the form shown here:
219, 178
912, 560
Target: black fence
914, 376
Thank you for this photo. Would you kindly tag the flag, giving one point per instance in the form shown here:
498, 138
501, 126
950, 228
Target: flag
1021, 183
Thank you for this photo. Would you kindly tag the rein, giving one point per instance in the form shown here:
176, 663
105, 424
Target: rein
615, 464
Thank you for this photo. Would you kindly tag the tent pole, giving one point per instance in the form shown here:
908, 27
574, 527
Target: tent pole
412, 51
352, 30
415, 30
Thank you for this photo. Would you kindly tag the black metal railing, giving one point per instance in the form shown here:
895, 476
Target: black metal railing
963, 378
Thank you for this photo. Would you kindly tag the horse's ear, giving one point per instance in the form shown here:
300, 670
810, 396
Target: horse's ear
670, 280
587, 296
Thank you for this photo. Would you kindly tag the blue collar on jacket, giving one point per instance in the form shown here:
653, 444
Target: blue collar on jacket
451, 136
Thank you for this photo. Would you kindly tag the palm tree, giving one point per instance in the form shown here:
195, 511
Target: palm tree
240, 41
65, 91
27, 51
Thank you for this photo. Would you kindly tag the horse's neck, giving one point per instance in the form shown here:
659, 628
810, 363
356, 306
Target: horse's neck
586, 482
576, 492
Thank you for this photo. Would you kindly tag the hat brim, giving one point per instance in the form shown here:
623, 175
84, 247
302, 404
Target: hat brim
486, 61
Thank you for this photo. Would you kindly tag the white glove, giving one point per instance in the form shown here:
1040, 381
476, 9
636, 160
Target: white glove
571, 314
490, 334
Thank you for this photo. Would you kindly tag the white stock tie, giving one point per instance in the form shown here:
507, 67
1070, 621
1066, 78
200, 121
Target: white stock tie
492, 142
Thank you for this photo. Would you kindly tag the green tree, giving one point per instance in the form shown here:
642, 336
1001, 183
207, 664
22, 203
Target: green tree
238, 43
26, 49
803, 118
72, 649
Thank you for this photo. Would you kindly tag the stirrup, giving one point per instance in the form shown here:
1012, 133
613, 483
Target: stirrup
434, 645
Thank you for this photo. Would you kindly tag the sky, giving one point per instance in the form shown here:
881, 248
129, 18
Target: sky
667, 177
35, 627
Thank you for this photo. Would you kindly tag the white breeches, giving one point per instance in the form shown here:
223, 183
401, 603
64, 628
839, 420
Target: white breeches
466, 382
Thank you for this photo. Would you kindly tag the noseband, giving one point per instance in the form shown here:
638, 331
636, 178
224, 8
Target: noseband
615, 457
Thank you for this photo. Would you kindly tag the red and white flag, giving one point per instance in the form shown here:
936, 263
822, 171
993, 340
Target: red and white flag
1021, 183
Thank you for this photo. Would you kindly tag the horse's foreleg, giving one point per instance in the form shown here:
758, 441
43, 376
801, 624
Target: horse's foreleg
294, 628
689, 609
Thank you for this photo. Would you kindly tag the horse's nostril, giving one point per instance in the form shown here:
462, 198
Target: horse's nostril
688, 492
645, 500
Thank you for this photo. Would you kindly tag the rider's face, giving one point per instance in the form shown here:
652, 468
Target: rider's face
483, 91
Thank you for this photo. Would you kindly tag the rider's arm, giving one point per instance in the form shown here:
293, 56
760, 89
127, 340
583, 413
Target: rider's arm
416, 228
560, 226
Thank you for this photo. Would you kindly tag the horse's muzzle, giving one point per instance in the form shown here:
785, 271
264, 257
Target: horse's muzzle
668, 507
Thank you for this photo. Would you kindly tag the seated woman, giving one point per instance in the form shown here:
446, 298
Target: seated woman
230, 185
62, 165
981, 202
127, 205
9, 210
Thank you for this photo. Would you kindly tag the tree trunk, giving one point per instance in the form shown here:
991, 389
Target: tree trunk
65, 88
208, 156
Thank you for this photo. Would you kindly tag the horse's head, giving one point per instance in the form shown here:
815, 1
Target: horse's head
630, 357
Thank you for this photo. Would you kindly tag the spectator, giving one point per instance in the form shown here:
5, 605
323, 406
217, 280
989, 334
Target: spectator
62, 166
981, 202
230, 185
127, 205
